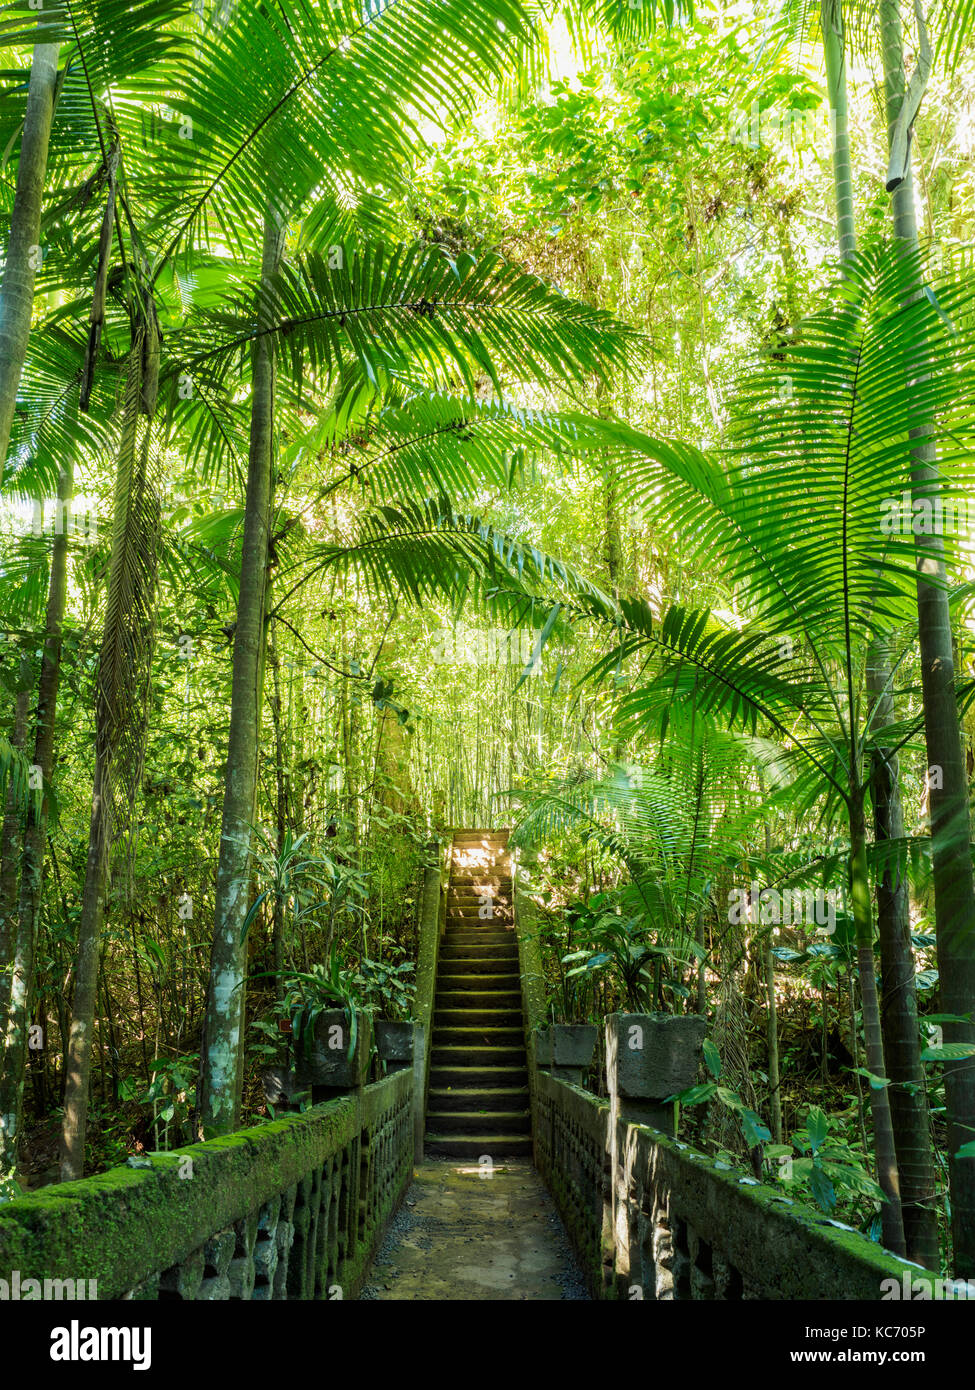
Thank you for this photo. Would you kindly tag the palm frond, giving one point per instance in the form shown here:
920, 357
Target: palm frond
411, 313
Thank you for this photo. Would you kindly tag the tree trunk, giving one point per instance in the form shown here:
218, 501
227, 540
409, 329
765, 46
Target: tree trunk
834, 53
281, 807
902, 1046
774, 1078
14, 1021
882, 1110
10, 841
912, 1140
111, 722
223, 1030
17, 290
954, 889
883, 1131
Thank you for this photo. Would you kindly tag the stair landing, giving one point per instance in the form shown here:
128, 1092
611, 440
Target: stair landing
467, 1233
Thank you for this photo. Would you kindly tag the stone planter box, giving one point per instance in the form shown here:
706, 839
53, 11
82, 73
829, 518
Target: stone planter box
394, 1042
573, 1044
326, 1062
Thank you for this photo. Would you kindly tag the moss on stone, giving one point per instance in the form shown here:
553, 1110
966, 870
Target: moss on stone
123, 1226
781, 1251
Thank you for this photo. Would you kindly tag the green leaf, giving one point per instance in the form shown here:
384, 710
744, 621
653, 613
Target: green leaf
712, 1058
756, 1131
817, 1127
877, 1083
948, 1052
822, 1189
695, 1095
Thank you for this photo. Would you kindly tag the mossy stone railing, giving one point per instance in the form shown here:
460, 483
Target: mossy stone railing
652, 1219
293, 1209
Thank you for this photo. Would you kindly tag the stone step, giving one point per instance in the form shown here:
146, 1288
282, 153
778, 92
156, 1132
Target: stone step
454, 1055
495, 1146
472, 879
480, 950
446, 1076
451, 981
453, 1099
480, 878
483, 1036
481, 885
488, 885
501, 920
450, 999
473, 936
462, 856
461, 1017
473, 1122
470, 966
501, 924
494, 909
474, 897
466, 944
476, 913
478, 856
490, 880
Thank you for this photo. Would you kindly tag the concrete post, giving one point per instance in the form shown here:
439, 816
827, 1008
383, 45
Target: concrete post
650, 1057
572, 1047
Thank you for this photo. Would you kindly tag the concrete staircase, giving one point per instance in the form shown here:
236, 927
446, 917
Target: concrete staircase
477, 1102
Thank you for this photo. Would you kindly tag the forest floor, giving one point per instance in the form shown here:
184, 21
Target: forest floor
460, 1235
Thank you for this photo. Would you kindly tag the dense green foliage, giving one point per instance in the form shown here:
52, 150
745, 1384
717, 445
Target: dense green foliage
478, 418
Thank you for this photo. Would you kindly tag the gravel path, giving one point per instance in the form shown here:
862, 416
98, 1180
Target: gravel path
460, 1235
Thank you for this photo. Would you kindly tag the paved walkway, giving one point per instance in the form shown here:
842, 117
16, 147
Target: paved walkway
461, 1236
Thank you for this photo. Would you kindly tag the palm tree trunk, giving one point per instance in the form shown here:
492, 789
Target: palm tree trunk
883, 1129
121, 712
281, 809
774, 1076
886, 1147
14, 1020
954, 889
10, 838
17, 290
223, 1030
902, 1046
834, 52
10, 844
912, 1139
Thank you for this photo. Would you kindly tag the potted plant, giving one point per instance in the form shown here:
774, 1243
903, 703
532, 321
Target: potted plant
387, 991
330, 1026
